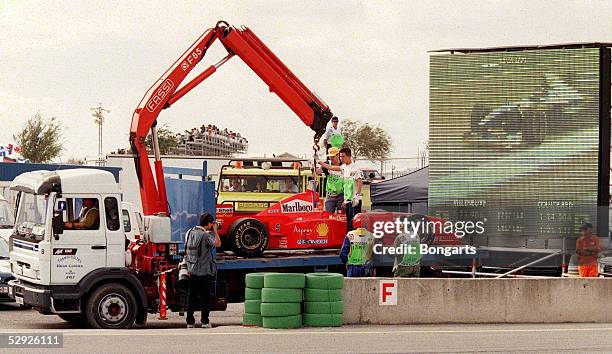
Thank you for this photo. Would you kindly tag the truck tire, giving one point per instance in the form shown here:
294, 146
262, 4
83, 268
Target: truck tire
111, 306
249, 238
324, 280
428, 237
284, 280
75, 319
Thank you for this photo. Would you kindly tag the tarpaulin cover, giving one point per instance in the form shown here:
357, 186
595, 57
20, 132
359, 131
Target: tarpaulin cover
187, 200
410, 189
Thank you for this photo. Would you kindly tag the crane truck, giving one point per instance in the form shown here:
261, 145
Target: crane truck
81, 273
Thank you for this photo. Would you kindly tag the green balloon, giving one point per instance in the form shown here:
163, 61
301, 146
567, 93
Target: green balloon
336, 140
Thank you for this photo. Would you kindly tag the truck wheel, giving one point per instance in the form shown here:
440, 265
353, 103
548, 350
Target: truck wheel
249, 238
111, 306
75, 319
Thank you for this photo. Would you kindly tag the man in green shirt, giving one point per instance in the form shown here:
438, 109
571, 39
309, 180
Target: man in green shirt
357, 253
334, 183
408, 263
353, 181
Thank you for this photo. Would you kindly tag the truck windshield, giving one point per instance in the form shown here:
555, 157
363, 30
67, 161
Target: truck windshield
6, 215
31, 217
261, 184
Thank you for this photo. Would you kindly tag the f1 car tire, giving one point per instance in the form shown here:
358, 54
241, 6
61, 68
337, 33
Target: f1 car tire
427, 238
252, 294
276, 309
284, 280
252, 306
322, 295
322, 320
255, 280
111, 306
281, 295
249, 238
251, 319
324, 307
282, 322
324, 281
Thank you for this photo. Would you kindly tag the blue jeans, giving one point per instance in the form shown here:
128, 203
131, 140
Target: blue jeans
360, 271
333, 203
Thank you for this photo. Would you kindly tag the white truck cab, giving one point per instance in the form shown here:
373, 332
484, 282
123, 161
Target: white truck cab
68, 248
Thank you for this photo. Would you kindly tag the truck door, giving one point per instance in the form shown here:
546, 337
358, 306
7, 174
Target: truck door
81, 248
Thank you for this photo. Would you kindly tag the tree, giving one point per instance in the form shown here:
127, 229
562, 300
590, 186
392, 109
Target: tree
166, 138
40, 139
366, 141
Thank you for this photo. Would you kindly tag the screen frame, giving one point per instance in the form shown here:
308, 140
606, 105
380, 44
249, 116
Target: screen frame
603, 195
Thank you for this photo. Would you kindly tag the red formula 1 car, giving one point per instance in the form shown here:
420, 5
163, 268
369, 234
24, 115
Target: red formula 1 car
296, 222
431, 234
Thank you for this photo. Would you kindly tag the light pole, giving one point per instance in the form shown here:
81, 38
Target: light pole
98, 114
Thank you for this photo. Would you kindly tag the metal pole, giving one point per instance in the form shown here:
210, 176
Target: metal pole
492, 274
155, 143
564, 263
529, 264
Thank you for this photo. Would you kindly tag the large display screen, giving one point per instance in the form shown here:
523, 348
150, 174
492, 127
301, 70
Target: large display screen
514, 140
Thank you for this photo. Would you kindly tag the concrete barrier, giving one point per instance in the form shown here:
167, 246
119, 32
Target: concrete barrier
551, 300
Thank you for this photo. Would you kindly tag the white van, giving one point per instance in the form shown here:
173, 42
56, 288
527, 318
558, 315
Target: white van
7, 219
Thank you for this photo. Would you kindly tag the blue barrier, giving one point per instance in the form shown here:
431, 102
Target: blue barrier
187, 199
8, 171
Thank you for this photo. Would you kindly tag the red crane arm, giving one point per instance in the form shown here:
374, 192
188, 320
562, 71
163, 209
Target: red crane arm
165, 92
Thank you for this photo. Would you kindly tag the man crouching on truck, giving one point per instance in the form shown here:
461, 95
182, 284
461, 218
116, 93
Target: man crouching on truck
201, 266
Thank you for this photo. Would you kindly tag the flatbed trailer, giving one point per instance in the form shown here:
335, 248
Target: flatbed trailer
229, 282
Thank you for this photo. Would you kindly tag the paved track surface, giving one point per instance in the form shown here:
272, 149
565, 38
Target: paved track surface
228, 336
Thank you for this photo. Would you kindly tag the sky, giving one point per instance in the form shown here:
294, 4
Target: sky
368, 60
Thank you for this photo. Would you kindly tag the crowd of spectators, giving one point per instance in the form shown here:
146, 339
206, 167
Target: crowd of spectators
208, 140
212, 131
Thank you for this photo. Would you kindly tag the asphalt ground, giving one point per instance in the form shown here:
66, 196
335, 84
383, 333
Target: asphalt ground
228, 336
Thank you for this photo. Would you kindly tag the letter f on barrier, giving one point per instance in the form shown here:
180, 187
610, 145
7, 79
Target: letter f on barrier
388, 292
385, 292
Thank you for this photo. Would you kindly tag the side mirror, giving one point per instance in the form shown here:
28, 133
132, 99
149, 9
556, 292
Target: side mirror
57, 225
60, 205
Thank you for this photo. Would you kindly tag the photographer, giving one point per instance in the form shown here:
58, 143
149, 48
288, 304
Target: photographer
201, 265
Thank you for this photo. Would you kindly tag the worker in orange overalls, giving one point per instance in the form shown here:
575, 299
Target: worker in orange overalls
587, 249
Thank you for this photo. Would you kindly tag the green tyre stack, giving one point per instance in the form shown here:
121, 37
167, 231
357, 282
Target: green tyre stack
252, 299
281, 300
323, 305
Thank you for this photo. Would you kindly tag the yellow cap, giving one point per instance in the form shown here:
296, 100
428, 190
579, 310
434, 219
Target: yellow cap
333, 151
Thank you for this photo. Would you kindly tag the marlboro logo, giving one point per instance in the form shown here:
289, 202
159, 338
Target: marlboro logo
297, 206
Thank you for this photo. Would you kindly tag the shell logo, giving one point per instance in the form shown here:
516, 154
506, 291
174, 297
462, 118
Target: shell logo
322, 230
